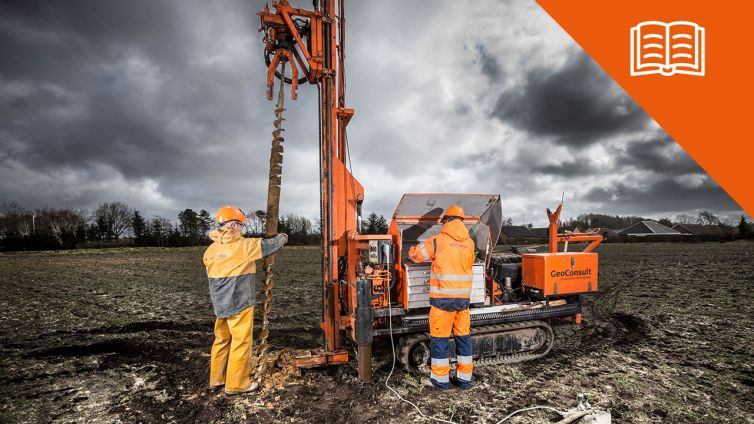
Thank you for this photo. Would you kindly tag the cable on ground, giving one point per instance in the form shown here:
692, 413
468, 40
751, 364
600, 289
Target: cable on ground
392, 368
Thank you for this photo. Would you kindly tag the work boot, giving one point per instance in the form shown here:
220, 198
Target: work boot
249, 389
463, 385
426, 381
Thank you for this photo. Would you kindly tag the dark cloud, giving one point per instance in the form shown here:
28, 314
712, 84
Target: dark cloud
658, 154
149, 90
665, 195
576, 105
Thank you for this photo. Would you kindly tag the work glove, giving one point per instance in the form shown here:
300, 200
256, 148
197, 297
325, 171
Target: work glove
284, 236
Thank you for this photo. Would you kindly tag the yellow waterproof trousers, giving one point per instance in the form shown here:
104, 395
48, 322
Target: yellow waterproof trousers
231, 352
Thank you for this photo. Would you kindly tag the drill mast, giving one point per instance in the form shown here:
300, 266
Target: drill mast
312, 42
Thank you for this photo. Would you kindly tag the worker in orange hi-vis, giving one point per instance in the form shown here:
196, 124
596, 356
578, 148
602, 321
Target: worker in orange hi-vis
450, 283
231, 268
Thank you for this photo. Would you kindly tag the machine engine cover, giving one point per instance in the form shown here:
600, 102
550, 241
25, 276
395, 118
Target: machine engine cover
560, 273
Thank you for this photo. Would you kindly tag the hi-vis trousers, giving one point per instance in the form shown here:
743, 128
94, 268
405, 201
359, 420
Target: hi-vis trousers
440, 325
231, 352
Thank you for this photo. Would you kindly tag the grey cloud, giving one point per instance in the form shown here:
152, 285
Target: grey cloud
568, 168
665, 195
576, 105
659, 154
488, 64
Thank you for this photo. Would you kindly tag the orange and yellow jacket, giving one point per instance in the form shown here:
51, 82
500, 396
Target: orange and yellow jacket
451, 274
231, 268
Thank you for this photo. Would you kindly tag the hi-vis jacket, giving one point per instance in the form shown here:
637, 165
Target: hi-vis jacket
451, 275
231, 268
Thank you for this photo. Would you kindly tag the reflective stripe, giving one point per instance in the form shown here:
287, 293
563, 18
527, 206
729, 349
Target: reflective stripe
440, 378
440, 362
464, 359
424, 251
452, 277
440, 290
463, 376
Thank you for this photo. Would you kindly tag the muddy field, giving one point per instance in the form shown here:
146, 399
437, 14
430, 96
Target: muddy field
124, 336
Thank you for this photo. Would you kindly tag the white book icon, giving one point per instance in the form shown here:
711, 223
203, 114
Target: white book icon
667, 48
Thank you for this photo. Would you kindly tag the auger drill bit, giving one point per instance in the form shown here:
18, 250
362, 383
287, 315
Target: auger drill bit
271, 225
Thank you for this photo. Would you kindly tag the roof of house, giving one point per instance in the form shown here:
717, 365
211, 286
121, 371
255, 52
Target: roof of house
702, 229
513, 231
643, 228
686, 228
607, 231
540, 232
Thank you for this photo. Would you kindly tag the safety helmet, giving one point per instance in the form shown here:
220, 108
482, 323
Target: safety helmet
453, 210
230, 213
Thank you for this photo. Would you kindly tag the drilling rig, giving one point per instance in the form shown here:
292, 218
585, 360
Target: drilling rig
369, 287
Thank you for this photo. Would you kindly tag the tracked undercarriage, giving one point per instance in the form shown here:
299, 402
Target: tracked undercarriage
492, 344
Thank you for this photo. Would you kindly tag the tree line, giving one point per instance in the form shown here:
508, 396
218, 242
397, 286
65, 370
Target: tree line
617, 222
714, 227
116, 224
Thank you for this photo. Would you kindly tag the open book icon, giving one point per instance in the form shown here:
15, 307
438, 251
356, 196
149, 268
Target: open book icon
667, 48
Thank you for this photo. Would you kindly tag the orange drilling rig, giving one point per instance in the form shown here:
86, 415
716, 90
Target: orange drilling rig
369, 287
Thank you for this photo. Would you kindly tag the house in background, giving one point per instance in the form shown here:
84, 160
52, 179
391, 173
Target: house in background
605, 232
649, 228
708, 230
514, 232
540, 232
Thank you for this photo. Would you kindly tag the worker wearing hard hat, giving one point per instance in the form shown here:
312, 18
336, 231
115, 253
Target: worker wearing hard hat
231, 269
450, 283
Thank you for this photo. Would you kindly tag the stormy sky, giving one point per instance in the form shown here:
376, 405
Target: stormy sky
161, 105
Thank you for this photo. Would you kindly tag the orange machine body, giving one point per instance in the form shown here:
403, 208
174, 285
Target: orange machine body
560, 273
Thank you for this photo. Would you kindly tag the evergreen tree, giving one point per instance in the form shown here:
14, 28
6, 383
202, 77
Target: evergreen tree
188, 224
205, 221
744, 230
160, 230
381, 225
139, 227
92, 232
370, 224
375, 224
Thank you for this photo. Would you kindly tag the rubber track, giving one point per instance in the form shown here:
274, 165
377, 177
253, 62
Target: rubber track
407, 342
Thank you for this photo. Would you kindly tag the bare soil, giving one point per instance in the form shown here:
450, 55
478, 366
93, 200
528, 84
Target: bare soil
123, 335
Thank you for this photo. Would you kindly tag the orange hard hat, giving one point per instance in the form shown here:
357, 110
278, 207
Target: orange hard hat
230, 213
453, 210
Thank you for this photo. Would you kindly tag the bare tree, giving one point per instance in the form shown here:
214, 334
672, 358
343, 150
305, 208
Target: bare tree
685, 219
113, 219
707, 218
15, 219
255, 221
62, 221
